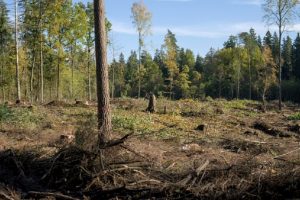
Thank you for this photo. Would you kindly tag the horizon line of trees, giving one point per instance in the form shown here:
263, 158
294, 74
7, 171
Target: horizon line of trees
245, 68
56, 56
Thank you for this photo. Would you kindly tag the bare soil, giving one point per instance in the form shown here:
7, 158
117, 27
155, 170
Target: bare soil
167, 157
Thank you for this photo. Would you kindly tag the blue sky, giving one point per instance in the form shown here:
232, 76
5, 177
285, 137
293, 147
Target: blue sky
197, 24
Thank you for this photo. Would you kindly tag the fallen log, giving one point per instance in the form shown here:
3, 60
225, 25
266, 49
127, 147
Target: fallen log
270, 130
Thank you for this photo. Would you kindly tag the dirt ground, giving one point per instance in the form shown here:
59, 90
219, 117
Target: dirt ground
186, 150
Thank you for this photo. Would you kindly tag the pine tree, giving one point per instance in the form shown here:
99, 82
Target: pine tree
159, 59
268, 39
171, 49
275, 47
231, 42
296, 57
287, 51
152, 79
199, 64
104, 113
131, 75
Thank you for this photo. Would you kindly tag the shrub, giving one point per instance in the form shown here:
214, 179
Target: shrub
295, 116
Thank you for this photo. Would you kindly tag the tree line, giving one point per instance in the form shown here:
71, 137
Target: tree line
57, 60
245, 68
56, 50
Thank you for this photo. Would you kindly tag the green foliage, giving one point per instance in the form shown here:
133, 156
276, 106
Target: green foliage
295, 116
126, 122
58, 37
5, 113
25, 118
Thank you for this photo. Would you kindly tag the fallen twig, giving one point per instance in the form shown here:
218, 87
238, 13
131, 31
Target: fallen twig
5, 196
287, 153
113, 143
56, 195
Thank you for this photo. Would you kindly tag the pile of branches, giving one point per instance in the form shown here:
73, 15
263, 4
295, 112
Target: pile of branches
73, 173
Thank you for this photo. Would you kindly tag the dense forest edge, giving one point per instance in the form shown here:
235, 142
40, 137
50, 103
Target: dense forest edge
57, 61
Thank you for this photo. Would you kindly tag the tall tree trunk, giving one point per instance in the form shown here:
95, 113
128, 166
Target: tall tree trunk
250, 77
58, 79
238, 74
50, 88
104, 113
41, 58
2, 75
17, 53
139, 67
220, 88
89, 75
264, 99
73, 48
280, 69
41, 73
31, 77
113, 82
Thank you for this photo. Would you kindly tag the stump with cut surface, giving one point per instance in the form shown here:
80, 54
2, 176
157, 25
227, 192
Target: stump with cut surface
151, 104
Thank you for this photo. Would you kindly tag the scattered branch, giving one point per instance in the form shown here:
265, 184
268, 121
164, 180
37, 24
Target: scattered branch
47, 194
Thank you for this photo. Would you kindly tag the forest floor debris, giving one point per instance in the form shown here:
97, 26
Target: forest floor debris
164, 158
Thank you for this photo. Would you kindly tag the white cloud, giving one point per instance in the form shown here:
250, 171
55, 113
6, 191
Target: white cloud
197, 31
120, 27
294, 28
259, 27
248, 2
174, 0
191, 31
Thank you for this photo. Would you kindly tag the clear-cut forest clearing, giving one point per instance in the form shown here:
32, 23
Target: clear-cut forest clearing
213, 149
164, 123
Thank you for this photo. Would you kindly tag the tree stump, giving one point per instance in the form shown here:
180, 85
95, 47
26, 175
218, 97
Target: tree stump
201, 127
165, 109
152, 103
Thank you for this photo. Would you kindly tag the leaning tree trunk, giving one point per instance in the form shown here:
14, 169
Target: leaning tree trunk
104, 114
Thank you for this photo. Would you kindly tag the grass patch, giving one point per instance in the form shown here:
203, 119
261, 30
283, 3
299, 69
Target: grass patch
5, 113
294, 117
21, 117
